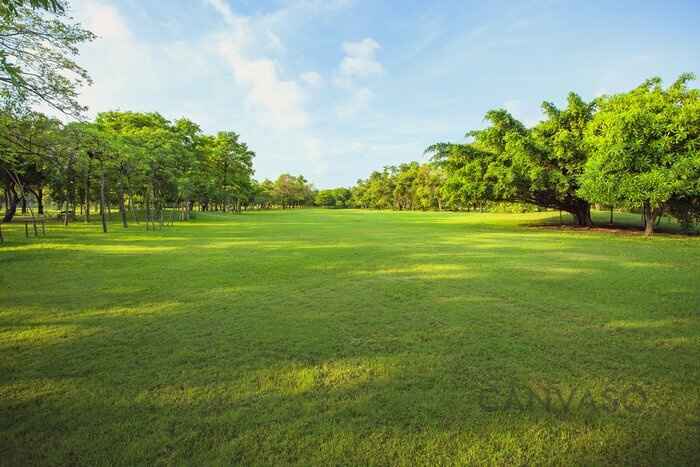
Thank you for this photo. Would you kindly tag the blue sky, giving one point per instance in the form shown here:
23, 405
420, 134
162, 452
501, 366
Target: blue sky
333, 89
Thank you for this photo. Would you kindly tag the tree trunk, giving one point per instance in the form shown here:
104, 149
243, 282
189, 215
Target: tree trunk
87, 194
122, 204
102, 198
14, 202
109, 198
650, 214
65, 218
156, 200
40, 200
582, 214
131, 199
225, 190
147, 199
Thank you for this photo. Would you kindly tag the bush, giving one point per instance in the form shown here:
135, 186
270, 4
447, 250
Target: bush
512, 208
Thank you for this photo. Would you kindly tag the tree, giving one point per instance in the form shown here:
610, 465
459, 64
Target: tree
10, 8
508, 162
36, 51
27, 143
404, 191
294, 191
233, 164
465, 169
646, 148
325, 198
428, 187
334, 198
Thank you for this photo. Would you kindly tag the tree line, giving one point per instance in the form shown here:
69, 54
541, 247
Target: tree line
634, 150
133, 162
129, 159
138, 163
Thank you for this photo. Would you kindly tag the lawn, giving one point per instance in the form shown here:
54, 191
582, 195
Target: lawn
349, 337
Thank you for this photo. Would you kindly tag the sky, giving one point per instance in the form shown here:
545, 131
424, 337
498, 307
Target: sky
334, 89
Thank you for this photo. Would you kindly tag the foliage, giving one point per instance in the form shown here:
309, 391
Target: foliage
504, 207
410, 186
646, 148
293, 191
335, 198
146, 158
508, 162
36, 56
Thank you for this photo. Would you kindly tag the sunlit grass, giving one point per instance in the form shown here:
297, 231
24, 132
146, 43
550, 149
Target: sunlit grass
339, 337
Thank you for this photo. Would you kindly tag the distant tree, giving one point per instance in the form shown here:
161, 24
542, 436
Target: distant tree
403, 177
294, 191
428, 187
646, 149
335, 198
465, 169
325, 198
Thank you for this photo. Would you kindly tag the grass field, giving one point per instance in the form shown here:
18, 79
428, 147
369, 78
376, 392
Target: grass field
343, 337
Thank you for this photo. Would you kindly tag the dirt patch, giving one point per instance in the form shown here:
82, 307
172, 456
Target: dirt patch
607, 228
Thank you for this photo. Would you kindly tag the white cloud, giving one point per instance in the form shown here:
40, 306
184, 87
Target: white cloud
248, 48
356, 104
312, 147
225, 10
278, 103
360, 59
312, 78
119, 62
247, 32
105, 22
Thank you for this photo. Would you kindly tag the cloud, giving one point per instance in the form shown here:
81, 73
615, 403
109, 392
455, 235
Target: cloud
119, 63
312, 148
105, 22
360, 60
356, 104
312, 78
248, 47
246, 32
225, 10
278, 103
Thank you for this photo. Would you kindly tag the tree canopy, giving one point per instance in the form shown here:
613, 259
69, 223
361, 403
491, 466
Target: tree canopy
37, 46
646, 149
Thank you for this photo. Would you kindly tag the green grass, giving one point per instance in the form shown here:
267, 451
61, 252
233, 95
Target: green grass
348, 337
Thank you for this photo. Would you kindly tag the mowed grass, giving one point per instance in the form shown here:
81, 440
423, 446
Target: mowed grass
349, 337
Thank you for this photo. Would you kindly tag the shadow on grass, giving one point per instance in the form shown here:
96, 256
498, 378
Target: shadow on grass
366, 343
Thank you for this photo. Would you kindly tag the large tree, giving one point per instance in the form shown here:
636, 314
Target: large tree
36, 54
508, 162
646, 148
